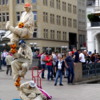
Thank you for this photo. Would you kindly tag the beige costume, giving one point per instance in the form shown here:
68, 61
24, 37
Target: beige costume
26, 32
30, 94
23, 59
9, 59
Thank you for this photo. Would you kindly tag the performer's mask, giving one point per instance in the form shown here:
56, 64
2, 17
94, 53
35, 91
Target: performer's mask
23, 45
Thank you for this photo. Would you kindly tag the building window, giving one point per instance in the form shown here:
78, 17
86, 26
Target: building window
45, 31
18, 15
58, 35
74, 9
45, 16
4, 17
64, 21
69, 8
33, 1
22, 1
74, 23
69, 22
3, 2
52, 18
45, 2
64, 36
52, 34
6, 1
35, 15
58, 20
18, 1
58, 4
52, 3
7, 16
64, 6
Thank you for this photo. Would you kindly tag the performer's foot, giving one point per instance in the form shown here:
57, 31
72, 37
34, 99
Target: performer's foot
8, 25
17, 84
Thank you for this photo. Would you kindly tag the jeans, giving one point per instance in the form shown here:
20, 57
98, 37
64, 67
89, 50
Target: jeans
50, 72
58, 74
70, 75
43, 68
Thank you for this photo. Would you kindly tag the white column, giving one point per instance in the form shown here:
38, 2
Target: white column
90, 41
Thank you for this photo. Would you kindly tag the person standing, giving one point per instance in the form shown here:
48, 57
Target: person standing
48, 59
75, 55
69, 62
3, 56
43, 64
59, 70
9, 59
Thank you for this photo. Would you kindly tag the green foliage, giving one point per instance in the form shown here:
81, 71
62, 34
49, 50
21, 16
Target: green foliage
93, 18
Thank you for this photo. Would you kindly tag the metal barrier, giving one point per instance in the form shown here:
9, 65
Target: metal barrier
92, 69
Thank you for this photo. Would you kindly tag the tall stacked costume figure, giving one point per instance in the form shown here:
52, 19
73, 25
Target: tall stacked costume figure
23, 57
25, 27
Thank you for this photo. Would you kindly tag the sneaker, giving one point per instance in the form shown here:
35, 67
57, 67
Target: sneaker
61, 84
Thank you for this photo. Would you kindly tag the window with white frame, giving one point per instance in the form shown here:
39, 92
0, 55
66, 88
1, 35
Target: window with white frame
64, 21
58, 4
69, 8
52, 3
45, 2
64, 35
45, 33
64, 6
74, 23
69, 22
74, 9
45, 16
33, 1
18, 14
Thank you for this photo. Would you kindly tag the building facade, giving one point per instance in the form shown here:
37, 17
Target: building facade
82, 24
93, 25
55, 22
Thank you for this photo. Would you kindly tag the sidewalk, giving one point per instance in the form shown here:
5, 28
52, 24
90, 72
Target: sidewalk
66, 92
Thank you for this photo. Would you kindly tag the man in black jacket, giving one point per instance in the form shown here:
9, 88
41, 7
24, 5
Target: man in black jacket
70, 67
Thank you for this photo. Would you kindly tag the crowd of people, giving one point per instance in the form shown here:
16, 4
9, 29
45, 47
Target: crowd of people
56, 64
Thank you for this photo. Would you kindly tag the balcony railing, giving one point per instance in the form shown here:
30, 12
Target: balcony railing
95, 24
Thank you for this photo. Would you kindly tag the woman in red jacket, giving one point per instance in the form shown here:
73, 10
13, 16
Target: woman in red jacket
48, 59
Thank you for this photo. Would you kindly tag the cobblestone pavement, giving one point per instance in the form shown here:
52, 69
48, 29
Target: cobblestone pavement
66, 92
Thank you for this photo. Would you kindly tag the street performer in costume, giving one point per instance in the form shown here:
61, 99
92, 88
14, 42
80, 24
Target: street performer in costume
22, 62
29, 91
25, 27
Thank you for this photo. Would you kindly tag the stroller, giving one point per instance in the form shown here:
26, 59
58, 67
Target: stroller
37, 79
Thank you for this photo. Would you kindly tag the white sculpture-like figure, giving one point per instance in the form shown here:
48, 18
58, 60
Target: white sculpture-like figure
25, 26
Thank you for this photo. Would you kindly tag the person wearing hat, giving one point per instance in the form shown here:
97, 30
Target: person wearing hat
29, 91
25, 27
22, 61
